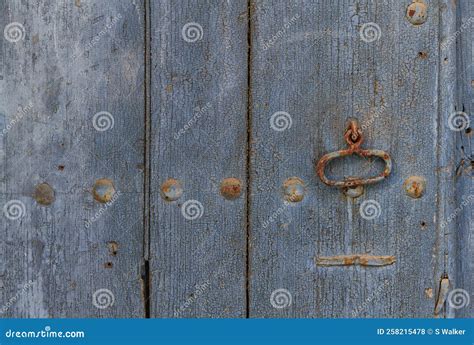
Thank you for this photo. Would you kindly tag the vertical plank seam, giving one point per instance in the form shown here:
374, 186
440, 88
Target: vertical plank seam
248, 162
438, 159
147, 165
463, 184
445, 96
438, 149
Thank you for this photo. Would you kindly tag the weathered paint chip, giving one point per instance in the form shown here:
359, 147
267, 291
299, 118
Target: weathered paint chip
442, 294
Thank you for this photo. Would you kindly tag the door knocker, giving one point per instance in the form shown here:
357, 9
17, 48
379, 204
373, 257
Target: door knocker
354, 138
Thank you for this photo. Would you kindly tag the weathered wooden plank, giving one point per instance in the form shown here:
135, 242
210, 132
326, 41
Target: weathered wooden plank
199, 136
314, 61
464, 228
446, 200
62, 63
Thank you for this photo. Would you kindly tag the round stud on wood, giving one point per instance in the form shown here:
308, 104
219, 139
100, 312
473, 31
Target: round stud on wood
354, 192
294, 189
103, 190
417, 12
44, 194
415, 186
231, 188
171, 190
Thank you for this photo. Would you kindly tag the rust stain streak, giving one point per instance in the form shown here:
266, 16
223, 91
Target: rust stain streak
356, 259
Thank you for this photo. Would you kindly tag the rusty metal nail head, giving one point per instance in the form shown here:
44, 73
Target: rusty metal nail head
294, 189
415, 186
417, 12
354, 192
103, 190
231, 188
171, 190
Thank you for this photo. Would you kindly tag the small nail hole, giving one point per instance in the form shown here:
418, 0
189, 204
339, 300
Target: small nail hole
113, 248
61, 167
109, 265
468, 130
422, 55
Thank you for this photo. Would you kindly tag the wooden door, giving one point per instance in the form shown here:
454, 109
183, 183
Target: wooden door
158, 159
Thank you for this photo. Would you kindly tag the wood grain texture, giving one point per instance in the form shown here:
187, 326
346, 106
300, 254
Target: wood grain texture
76, 59
464, 228
191, 92
199, 137
308, 59
446, 161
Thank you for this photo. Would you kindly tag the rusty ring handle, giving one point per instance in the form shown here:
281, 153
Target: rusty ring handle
354, 139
